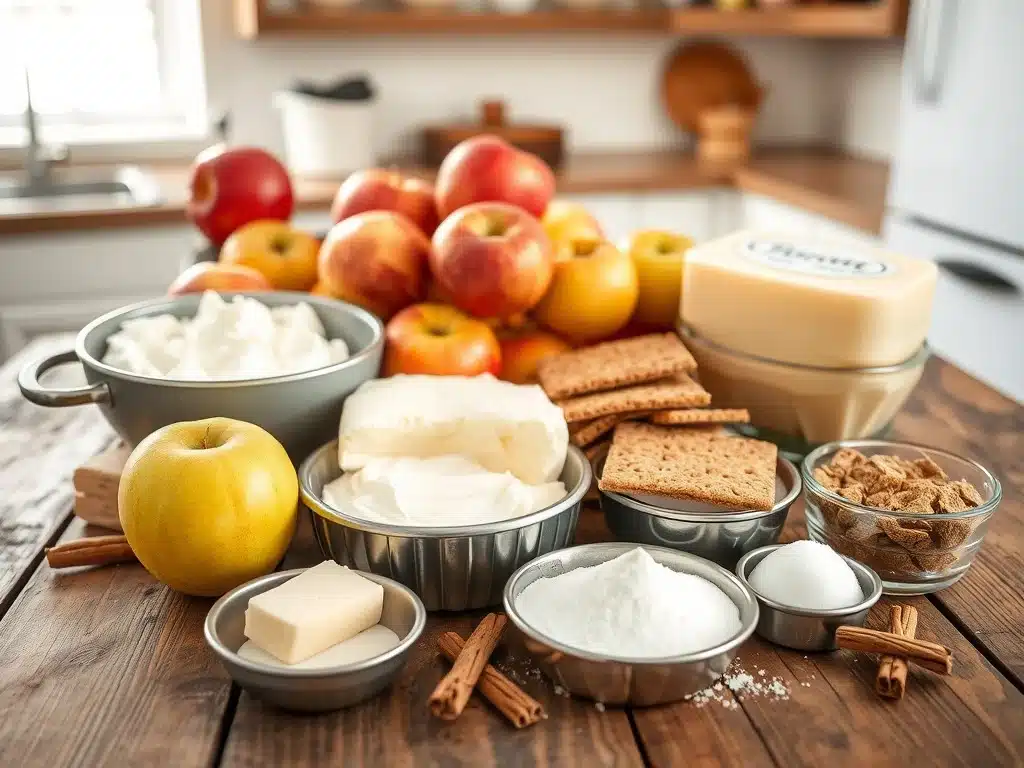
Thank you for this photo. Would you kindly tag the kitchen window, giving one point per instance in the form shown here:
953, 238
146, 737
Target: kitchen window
102, 71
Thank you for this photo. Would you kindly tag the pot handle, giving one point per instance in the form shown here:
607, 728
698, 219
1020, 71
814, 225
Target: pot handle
28, 383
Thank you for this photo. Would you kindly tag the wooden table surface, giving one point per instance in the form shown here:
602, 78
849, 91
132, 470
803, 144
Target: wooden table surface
108, 667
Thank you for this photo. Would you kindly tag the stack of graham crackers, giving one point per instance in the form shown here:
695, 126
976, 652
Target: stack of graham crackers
96, 484
682, 452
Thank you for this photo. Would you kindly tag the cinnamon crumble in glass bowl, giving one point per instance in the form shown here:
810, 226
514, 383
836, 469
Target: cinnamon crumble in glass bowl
916, 515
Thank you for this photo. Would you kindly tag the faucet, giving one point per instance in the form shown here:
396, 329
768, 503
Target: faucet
39, 160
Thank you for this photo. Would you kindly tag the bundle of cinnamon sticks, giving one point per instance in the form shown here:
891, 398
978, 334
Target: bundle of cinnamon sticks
470, 671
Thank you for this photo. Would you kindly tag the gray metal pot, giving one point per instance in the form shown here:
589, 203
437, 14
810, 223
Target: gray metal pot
299, 409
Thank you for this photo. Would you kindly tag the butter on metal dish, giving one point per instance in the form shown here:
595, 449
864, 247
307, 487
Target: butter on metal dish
820, 339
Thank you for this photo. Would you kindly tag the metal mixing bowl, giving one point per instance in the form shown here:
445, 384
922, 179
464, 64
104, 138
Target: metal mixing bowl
313, 690
624, 680
806, 629
299, 409
722, 537
450, 568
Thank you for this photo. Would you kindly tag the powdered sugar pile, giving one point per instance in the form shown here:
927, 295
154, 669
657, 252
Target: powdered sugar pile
630, 607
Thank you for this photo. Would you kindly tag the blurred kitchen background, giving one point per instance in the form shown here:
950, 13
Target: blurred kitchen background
866, 121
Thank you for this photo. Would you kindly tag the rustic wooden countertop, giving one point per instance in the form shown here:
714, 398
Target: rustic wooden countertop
849, 189
108, 667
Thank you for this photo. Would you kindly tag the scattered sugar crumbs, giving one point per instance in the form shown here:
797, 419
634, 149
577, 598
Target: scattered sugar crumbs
742, 684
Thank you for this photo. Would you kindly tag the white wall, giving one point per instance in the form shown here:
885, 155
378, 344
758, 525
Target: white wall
865, 95
604, 89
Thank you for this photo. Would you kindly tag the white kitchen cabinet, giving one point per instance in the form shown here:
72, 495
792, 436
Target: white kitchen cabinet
687, 213
763, 213
617, 214
20, 323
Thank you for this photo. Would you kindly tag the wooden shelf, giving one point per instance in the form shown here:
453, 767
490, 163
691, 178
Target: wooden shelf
881, 19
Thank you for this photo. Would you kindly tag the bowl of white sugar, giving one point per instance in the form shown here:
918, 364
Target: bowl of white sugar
626, 624
806, 591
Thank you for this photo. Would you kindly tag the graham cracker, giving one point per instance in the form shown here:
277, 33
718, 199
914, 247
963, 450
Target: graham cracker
614, 364
691, 464
694, 416
583, 433
678, 392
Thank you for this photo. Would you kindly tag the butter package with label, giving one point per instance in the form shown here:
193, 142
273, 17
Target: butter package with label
819, 339
808, 300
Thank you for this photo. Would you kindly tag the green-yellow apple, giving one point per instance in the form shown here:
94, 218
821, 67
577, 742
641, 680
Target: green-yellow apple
658, 257
208, 505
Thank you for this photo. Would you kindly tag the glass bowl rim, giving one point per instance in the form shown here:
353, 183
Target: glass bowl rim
807, 467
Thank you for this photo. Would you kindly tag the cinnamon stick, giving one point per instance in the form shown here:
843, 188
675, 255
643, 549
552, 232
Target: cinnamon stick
451, 694
507, 697
94, 550
891, 681
931, 656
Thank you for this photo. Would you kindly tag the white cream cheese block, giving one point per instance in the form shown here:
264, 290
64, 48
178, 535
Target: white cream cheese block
320, 607
369, 643
503, 427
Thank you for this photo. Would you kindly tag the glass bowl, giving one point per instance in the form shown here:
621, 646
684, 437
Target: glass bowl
913, 553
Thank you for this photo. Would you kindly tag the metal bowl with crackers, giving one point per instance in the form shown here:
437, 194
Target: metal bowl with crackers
916, 547
694, 522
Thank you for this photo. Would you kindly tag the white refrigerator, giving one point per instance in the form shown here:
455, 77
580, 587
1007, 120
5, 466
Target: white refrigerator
957, 190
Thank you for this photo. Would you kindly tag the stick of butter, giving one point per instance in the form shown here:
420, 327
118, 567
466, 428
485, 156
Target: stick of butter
325, 605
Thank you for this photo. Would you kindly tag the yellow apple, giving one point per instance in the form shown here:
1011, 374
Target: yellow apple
593, 291
565, 220
658, 257
207, 505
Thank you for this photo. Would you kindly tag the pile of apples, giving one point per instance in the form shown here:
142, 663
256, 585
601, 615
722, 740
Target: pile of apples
481, 272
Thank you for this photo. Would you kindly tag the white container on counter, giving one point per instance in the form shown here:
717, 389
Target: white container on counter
325, 137
821, 340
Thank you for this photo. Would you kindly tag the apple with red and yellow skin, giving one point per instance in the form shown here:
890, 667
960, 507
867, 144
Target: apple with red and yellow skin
493, 259
439, 340
565, 220
489, 169
231, 187
208, 505
377, 260
286, 256
213, 276
522, 352
593, 292
659, 257
380, 190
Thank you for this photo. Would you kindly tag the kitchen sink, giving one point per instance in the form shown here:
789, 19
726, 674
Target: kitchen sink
72, 189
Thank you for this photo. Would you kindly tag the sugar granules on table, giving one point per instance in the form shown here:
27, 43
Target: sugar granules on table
630, 607
741, 683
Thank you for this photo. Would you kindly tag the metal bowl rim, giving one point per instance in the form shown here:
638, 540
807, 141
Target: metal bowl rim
163, 303
232, 657
723, 517
855, 565
333, 515
617, 548
810, 484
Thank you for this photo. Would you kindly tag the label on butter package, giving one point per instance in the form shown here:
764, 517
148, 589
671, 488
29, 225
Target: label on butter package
808, 300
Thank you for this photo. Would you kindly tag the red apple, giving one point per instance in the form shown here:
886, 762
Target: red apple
493, 259
439, 340
377, 260
522, 352
231, 187
211, 276
488, 169
380, 190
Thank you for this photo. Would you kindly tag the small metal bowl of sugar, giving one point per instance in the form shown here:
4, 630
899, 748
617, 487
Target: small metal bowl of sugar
808, 629
624, 679
306, 689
